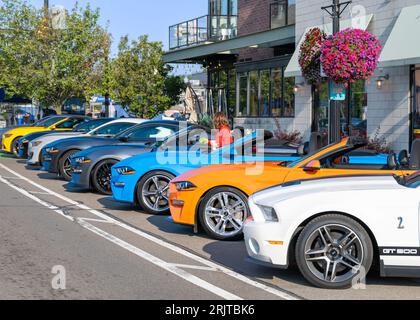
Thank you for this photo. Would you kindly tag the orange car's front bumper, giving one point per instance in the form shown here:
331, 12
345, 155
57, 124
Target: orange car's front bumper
183, 205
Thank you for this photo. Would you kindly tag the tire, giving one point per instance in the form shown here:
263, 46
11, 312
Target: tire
64, 168
152, 192
101, 176
350, 244
223, 222
14, 147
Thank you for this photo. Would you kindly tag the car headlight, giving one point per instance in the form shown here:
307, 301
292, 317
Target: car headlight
185, 185
52, 150
269, 213
24, 141
82, 160
35, 143
125, 170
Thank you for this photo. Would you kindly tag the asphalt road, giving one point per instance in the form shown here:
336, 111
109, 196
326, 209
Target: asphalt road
106, 250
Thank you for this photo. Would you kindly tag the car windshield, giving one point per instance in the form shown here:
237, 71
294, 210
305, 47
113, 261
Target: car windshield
192, 134
85, 127
412, 181
47, 122
309, 155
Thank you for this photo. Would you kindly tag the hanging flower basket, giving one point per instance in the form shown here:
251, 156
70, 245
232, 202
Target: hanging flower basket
350, 55
310, 55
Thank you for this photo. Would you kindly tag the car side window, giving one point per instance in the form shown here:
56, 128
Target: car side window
151, 132
69, 124
114, 128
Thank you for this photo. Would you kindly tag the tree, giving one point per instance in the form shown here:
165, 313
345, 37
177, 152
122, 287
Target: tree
174, 86
138, 77
52, 65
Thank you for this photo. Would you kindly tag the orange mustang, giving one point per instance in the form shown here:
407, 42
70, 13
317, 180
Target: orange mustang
215, 197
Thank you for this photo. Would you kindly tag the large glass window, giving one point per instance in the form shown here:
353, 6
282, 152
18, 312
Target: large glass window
289, 97
416, 103
253, 93
243, 94
353, 111
264, 93
277, 92
358, 110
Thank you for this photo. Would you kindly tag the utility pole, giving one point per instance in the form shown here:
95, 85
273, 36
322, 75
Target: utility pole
46, 8
335, 11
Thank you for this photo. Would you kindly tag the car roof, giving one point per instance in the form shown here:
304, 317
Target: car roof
129, 120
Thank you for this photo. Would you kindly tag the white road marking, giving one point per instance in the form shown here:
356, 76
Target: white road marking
188, 266
160, 242
140, 253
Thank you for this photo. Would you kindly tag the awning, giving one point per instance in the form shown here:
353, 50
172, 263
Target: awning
293, 69
270, 38
403, 45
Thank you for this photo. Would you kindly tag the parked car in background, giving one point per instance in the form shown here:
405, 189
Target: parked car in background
11, 138
80, 129
100, 128
144, 179
336, 228
56, 156
91, 168
215, 197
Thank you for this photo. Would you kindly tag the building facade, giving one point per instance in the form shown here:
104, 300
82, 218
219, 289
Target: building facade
250, 50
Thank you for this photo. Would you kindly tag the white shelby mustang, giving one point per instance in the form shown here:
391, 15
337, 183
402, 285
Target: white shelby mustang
338, 228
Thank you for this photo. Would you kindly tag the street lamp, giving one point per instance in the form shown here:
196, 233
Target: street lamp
335, 11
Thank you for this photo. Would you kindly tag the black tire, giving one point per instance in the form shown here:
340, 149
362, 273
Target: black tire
356, 252
63, 164
101, 180
148, 201
14, 147
226, 214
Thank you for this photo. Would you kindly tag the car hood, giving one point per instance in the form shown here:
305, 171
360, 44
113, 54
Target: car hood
26, 130
273, 195
229, 169
114, 148
64, 134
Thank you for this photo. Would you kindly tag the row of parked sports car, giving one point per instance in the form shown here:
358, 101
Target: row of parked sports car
335, 211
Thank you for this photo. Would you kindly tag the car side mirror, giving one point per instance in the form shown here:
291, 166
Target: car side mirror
313, 166
123, 139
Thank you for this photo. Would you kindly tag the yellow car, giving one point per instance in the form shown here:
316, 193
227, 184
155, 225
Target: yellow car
11, 138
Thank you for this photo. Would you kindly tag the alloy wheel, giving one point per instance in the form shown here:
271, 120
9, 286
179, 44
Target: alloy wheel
334, 253
155, 193
225, 213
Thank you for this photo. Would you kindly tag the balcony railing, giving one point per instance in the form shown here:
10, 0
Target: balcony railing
282, 13
201, 30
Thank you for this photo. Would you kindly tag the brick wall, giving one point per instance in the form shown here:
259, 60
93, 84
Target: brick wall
254, 16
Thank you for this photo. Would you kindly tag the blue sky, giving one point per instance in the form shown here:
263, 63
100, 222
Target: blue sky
138, 17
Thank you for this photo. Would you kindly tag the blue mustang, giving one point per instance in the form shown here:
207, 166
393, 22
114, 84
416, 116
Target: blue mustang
144, 179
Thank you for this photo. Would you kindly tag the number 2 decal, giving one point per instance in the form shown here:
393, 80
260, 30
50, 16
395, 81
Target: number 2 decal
400, 225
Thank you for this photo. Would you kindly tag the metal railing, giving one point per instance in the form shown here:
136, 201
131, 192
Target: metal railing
282, 13
202, 29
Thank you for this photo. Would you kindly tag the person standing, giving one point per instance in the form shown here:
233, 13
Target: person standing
224, 135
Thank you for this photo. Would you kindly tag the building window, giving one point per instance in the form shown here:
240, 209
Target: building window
282, 13
265, 93
253, 93
242, 105
264, 110
416, 103
353, 112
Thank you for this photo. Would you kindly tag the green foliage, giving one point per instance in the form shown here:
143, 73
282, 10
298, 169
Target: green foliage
139, 77
174, 86
51, 65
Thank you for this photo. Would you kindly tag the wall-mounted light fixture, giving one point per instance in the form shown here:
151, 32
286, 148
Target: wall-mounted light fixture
380, 81
297, 87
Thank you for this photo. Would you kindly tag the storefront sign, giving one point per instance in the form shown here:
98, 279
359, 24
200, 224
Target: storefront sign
337, 91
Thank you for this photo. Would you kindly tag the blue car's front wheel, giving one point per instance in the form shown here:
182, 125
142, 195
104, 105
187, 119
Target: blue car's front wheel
152, 192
